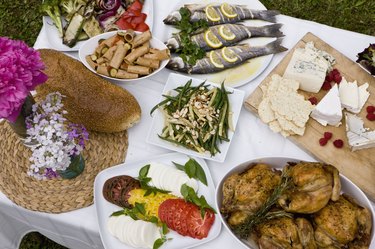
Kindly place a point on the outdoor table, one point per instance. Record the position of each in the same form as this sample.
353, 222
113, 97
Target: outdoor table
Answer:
252, 139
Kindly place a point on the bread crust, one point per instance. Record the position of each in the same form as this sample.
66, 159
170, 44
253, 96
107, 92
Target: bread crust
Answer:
89, 99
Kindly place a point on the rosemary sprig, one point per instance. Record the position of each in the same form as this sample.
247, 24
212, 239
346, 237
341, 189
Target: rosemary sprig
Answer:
243, 230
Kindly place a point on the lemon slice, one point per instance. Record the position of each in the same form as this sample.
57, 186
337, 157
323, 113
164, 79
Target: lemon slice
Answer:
226, 33
228, 10
212, 14
212, 40
229, 55
214, 58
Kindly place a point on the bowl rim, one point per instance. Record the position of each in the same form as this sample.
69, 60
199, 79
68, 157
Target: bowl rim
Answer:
241, 166
81, 55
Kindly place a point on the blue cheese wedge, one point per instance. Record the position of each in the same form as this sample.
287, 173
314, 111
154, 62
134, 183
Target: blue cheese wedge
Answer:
309, 66
358, 136
328, 111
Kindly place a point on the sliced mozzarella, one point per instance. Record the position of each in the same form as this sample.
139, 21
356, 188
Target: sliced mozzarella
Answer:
111, 225
149, 234
121, 226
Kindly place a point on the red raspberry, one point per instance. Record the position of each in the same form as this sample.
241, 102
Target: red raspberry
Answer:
327, 135
326, 86
338, 143
335, 71
370, 109
329, 77
337, 78
370, 116
323, 141
313, 100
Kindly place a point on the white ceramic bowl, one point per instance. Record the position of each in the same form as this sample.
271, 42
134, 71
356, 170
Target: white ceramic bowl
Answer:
90, 45
279, 162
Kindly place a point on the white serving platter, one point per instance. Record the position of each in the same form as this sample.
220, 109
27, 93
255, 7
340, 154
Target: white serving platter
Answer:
157, 125
104, 208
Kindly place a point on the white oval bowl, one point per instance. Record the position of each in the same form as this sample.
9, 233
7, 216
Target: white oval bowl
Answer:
90, 45
347, 187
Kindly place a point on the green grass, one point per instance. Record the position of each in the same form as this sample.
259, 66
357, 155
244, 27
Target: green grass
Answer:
23, 20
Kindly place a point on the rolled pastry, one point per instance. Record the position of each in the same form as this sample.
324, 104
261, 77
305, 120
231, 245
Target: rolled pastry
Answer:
148, 62
138, 52
141, 38
122, 74
119, 55
139, 70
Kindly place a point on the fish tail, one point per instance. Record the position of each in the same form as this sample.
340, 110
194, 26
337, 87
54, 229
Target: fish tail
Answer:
275, 47
266, 31
266, 15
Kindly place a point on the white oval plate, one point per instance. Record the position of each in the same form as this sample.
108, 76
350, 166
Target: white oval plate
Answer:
90, 45
347, 187
104, 208
157, 125
55, 41
245, 73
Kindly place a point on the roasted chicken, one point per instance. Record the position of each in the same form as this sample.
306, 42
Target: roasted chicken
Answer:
342, 224
285, 233
244, 193
313, 185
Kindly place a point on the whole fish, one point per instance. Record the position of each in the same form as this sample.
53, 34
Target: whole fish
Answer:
197, 12
241, 32
243, 52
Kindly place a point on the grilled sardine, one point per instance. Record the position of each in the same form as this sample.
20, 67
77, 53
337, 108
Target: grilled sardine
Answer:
198, 12
237, 33
242, 52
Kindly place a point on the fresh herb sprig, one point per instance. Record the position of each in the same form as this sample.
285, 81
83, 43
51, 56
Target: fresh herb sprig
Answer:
189, 195
189, 51
138, 212
243, 230
163, 232
144, 180
193, 169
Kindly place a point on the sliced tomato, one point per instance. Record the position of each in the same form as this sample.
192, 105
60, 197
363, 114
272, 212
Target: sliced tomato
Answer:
142, 27
136, 5
197, 227
139, 19
124, 24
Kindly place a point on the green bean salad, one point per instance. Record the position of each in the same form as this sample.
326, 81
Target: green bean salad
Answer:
198, 117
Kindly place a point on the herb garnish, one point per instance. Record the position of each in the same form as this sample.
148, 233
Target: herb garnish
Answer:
189, 195
243, 230
159, 242
193, 169
137, 213
189, 52
144, 180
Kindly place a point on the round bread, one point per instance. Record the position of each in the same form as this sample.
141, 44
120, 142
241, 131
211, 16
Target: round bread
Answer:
89, 99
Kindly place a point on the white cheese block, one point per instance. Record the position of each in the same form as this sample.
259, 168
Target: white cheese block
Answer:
309, 66
358, 136
349, 95
328, 110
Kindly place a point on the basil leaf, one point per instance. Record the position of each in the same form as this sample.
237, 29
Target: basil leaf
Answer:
140, 208
118, 213
158, 243
190, 169
165, 229
144, 171
199, 172
154, 219
179, 166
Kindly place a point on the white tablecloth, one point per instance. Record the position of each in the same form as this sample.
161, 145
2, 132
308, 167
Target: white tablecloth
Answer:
79, 229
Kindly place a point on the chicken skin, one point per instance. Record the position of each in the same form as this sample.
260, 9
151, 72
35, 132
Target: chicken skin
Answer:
313, 185
285, 233
245, 193
342, 224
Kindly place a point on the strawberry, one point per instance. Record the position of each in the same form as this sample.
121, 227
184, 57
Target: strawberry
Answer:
338, 143
326, 86
370, 109
327, 135
370, 116
323, 141
335, 71
337, 78
313, 100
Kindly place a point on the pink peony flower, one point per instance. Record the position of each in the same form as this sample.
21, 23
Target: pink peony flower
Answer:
20, 73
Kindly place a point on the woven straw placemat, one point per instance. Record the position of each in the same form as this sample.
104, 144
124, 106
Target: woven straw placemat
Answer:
56, 196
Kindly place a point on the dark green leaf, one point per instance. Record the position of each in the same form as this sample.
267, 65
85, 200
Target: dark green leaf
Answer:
140, 208
190, 169
154, 220
118, 213
144, 171
179, 166
158, 243
165, 229
199, 172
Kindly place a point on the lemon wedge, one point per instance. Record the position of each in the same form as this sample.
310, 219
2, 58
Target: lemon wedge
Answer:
212, 40
229, 55
214, 58
228, 10
212, 14
226, 33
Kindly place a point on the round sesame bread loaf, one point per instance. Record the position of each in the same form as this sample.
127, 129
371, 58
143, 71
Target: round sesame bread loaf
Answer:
89, 99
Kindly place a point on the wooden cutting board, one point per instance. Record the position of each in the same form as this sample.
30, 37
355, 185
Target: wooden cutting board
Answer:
358, 166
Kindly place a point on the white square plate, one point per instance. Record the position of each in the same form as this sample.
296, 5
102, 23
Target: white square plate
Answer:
104, 208
174, 81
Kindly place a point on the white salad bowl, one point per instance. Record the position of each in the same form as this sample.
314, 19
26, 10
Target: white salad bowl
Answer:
90, 45
347, 187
